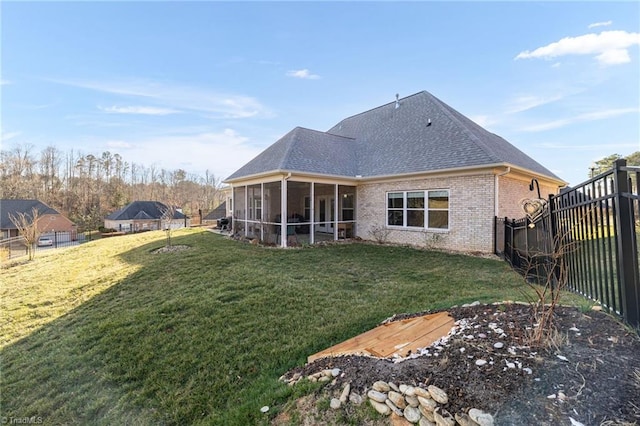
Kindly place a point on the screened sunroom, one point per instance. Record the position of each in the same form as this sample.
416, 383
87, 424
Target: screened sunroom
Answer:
289, 212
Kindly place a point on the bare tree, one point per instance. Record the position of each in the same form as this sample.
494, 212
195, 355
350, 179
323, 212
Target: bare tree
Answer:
168, 211
28, 227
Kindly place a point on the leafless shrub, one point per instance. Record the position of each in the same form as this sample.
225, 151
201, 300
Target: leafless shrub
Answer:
379, 233
433, 240
168, 211
550, 267
27, 225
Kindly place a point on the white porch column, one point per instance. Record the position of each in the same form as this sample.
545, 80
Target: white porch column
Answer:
335, 212
261, 219
312, 209
246, 210
283, 213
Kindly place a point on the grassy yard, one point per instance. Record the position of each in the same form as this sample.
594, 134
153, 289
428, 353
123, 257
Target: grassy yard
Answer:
111, 333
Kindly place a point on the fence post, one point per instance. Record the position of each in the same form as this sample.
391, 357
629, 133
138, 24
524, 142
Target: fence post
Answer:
555, 243
627, 258
504, 237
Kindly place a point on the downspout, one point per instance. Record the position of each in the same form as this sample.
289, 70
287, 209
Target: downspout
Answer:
497, 206
497, 189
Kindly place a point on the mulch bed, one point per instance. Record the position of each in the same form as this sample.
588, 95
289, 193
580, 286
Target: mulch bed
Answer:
590, 373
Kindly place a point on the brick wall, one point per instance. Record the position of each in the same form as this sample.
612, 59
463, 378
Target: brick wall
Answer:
471, 213
513, 190
55, 223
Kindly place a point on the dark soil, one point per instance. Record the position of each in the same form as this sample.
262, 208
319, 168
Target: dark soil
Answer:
589, 371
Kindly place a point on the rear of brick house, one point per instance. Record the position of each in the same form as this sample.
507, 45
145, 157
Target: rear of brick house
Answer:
414, 171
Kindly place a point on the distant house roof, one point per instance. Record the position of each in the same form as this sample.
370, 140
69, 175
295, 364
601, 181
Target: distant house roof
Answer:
143, 210
419, 133
10, 208
217, 213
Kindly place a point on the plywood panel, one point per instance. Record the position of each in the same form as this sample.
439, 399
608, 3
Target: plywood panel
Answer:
398, 337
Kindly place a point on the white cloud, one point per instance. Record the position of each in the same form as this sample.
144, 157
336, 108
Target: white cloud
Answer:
4, 82
222, 152
600, 24
144, 110
483, 120
609, 47
5, 136
178, 97
527, 102
303, 74
590, 116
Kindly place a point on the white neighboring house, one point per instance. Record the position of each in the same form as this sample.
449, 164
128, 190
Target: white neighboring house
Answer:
145, 216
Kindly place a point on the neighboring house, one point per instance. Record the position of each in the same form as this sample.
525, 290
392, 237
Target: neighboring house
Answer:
219, 212
144, 216
50, 220
414, 171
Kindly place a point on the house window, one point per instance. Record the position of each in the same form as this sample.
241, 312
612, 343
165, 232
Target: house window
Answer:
438, 210
418, 209
347, 207
307, 209
395, 209
257, 209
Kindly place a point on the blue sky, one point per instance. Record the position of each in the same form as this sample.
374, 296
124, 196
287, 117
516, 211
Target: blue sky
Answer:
208, 85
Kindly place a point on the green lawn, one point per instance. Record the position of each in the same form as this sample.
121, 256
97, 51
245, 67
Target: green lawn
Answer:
110, 333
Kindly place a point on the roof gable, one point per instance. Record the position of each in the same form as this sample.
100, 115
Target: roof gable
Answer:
217, 213
11, 207
419, 133
143, 210
305, 150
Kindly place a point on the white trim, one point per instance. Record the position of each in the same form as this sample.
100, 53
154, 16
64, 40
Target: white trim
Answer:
353, 181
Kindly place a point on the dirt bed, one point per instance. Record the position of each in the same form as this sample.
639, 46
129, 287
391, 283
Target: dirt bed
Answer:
589, 374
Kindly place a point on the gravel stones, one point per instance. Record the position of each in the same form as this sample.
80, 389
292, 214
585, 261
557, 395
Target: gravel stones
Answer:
397, 399
480, 417
377, 396
412, 414
380, 407
416, 405
438, 394
381, 386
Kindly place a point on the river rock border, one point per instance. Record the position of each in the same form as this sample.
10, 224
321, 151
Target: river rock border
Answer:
405, 404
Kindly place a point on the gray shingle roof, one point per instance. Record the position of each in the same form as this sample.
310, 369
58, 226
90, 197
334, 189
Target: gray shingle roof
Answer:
12, 207
139, 210
217, 213
391, 141
305, 150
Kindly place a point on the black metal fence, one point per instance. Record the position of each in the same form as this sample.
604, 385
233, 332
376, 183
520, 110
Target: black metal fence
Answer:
15, 247
589, 234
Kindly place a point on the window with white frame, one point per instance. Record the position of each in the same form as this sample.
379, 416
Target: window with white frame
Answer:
418, 209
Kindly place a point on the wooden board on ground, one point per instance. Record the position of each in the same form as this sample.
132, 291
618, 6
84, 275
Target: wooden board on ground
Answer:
399, 337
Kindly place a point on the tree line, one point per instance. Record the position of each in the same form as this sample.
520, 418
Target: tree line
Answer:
606, 163
87, 187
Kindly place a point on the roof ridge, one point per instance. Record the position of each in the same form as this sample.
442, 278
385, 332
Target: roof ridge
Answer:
289, 146
322, 132
446, 109
380, 106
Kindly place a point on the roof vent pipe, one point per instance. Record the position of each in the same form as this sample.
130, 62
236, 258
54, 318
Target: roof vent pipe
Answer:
397, 101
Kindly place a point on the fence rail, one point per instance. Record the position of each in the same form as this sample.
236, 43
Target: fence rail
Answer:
593, 230
12, 248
